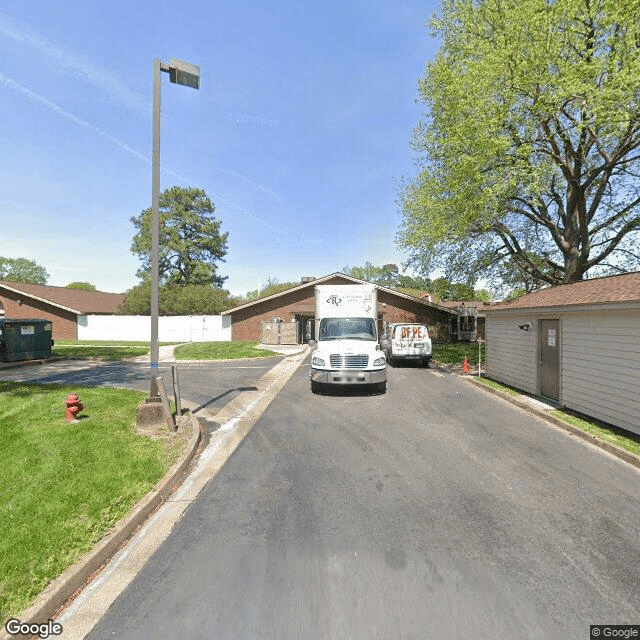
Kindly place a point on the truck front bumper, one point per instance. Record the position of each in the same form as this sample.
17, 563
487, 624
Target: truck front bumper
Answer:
348, 376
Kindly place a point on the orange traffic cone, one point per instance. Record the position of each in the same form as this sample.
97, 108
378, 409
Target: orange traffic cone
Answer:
465, 366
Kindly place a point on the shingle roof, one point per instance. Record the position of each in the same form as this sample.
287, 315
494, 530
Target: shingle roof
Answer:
480, 304
607, 290
75, 300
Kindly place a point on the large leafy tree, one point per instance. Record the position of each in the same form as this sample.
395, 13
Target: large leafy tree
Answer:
413, 282
385, 275
272, 286
529, 151
175, 300
22, 270
85, 286
445, 290
388, 276
190, 240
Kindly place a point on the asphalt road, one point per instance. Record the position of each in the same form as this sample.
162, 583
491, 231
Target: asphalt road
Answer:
434, 511
209, 385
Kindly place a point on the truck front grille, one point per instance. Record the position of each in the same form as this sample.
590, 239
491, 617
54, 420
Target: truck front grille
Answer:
338, 361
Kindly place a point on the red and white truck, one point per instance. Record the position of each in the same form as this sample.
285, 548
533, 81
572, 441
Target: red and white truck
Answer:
408, 341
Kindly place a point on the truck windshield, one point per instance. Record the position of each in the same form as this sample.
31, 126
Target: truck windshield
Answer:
347, 329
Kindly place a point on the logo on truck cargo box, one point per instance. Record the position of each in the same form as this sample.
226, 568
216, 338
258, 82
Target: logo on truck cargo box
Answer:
334, 300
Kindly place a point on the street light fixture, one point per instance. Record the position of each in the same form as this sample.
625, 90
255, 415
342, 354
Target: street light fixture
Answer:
187, 75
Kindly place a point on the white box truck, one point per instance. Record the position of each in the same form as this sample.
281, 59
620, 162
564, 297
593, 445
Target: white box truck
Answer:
408, 341
347, 348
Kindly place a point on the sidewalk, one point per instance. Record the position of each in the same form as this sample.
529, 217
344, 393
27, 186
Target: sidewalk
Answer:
286, 349
165, 354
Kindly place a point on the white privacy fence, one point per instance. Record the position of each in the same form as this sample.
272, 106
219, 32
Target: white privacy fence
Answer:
170, 328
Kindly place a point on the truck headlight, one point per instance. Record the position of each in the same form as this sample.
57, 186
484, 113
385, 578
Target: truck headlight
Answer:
317, 362
378, 362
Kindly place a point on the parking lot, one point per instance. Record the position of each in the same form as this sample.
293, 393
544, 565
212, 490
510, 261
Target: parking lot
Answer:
206, 386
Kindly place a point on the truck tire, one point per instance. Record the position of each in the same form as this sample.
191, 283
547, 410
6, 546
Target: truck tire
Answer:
425, 362
315, 387
381, 387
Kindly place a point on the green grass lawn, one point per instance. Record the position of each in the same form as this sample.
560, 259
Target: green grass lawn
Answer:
611, 435
103, 349
455, 352
104, 352
62, 486
500, 387
228, 350
608, 433
106, 343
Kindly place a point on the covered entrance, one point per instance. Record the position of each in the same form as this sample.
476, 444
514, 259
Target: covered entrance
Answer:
306, 327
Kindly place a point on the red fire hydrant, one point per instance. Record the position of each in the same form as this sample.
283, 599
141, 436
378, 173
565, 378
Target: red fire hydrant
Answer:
74, 407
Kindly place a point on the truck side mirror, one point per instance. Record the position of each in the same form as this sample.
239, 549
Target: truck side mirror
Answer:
312, 343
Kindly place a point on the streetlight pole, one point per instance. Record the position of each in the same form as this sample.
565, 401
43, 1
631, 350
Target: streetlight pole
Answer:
188, 75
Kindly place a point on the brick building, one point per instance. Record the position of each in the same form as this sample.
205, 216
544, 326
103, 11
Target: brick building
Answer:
59, 304
469, 323
297, 305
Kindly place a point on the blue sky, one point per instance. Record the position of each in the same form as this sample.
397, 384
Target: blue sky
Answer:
299, 132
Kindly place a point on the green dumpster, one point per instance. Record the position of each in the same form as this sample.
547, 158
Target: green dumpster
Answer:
25, 339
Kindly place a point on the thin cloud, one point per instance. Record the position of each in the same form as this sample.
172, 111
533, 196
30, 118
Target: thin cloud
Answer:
69, 61
99, 78
52, 106
257, 185
219, 198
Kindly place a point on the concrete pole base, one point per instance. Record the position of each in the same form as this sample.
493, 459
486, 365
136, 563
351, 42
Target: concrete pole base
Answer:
150, 415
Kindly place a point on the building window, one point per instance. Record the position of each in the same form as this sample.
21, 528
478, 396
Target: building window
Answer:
467, 323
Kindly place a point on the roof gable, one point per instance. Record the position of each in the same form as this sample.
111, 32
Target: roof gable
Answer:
347, 280
76, 301
303, 285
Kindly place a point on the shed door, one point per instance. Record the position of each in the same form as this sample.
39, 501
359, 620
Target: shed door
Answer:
550, 359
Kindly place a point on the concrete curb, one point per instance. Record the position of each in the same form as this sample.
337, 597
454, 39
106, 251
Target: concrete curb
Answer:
275, 355
67, 583
623, 454
145, 359
23, 363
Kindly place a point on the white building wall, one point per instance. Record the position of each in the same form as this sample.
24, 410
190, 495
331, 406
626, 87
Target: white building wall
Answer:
512, 352
601, 366
599, 360
170, 328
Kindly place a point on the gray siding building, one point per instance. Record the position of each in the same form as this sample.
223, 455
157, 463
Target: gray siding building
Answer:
577, 344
